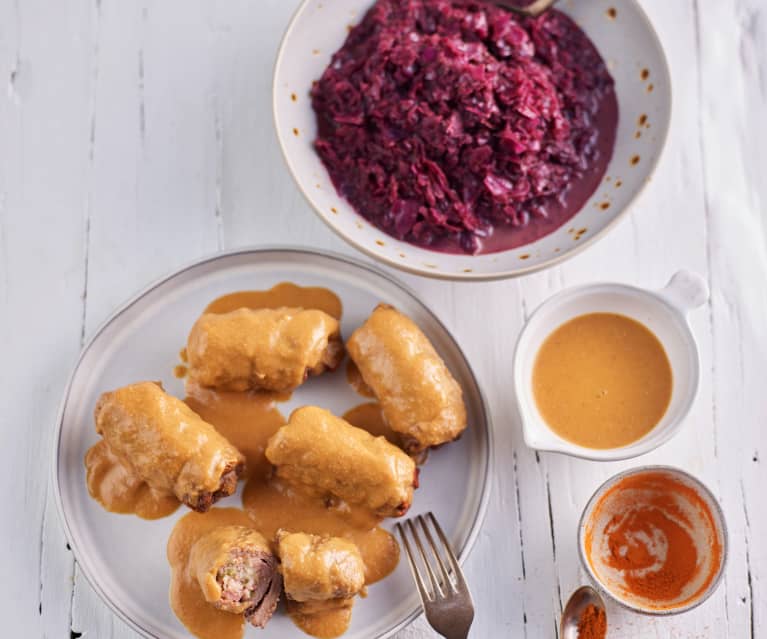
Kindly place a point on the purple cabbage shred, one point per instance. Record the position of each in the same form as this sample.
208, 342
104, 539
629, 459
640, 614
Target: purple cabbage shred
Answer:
446, 118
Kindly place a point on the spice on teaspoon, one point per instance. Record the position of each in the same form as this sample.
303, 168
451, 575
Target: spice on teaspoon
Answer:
592, 623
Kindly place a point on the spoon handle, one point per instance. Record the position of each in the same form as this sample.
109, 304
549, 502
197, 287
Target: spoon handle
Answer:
534, 8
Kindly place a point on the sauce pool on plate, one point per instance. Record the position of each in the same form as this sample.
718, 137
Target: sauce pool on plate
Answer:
602, 380
284, 294
248, 420
120, 490
186, 598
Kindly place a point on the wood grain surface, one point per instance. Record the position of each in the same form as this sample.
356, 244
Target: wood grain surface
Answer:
137, 136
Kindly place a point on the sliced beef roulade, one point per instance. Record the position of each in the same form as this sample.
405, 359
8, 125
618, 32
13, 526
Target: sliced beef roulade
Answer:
237, 572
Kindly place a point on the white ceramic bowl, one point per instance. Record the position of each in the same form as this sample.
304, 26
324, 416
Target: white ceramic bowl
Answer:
628, 43
614, 593
664, 312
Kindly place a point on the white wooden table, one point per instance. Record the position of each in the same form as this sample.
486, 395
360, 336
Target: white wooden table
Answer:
137, 136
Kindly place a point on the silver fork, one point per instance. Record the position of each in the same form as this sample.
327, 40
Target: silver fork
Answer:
447, 603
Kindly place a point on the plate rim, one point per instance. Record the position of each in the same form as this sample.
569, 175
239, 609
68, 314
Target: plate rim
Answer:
487, 483
463, 276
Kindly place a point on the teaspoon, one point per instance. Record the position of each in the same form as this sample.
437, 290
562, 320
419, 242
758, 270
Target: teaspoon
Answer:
579, 601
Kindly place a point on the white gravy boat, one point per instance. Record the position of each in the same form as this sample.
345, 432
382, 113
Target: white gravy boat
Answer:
664, 312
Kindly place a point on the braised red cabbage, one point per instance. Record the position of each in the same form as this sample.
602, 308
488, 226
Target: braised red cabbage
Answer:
448, 118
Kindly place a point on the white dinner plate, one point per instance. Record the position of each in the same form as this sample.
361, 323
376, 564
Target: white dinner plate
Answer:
123, 556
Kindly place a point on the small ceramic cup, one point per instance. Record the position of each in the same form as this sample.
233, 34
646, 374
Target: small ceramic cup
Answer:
719, 532
664, 312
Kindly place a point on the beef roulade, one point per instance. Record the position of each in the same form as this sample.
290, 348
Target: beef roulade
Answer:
264, 349
237, 572
419, 397
165, 443
323, 455
318, 568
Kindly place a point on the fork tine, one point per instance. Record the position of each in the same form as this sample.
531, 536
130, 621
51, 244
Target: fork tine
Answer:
437, 555
432, 577
461, 582
422, 592
449, 609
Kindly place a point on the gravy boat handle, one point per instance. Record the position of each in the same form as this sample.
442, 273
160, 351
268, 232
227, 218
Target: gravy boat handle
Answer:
685, 291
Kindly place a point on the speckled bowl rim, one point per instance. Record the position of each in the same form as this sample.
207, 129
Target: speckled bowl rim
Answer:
718, 516
576, 249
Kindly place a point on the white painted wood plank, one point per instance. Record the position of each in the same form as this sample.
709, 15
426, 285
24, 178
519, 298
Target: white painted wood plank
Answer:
659, 238
733, 47
41, 282
152, 184
165, 151
259, 201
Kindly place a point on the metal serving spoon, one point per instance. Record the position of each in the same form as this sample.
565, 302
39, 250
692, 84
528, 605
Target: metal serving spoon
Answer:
579, 600
533, 8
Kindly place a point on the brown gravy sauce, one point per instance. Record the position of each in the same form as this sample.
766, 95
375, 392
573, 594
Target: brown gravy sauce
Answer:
119, 490
354, 378
282, 295
186, 598
248, 420
322, 619
602, 380
369, 417
274, 505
